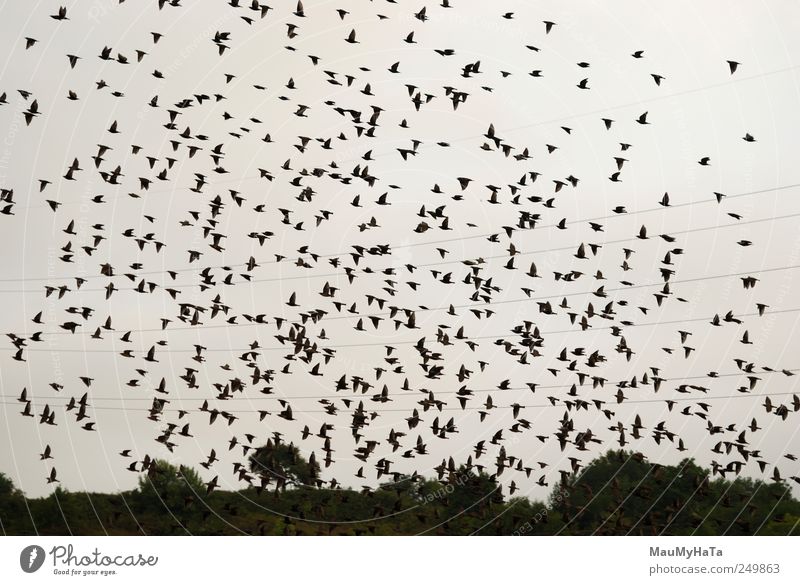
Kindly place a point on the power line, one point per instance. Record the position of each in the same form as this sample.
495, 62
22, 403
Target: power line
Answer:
399, 246
384, 343
471, 408
556, 296
418, 394
468, 306
500, 256
559, 119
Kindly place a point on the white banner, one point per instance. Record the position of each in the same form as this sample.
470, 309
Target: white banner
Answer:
619, 560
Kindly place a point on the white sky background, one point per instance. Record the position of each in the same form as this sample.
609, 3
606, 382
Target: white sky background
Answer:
699, 110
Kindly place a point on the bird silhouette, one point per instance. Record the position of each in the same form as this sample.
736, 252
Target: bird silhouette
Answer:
368, 253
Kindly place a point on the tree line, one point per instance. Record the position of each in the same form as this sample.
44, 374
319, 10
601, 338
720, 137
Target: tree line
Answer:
618, 493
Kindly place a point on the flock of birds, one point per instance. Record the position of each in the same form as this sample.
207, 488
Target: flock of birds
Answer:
389, 436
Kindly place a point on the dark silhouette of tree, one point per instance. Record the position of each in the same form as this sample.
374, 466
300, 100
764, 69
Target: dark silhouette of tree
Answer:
623, 493
282, 464
165, 485
6, 485
617, 493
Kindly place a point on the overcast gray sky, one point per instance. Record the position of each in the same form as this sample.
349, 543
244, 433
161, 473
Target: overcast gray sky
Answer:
699, 110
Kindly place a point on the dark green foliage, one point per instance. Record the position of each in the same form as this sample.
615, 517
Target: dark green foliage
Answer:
6, 485
622, 493
166, 487
617, 493
282, 465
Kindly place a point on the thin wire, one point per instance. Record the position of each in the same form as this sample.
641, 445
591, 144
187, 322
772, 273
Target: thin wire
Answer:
472, 408
400, 246
337, 317
404, 394
379, 343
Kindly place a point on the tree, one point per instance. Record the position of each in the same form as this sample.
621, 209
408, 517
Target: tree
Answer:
6, 485
170, 486
620, 492
284, 464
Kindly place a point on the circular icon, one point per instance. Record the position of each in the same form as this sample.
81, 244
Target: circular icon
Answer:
31, 558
